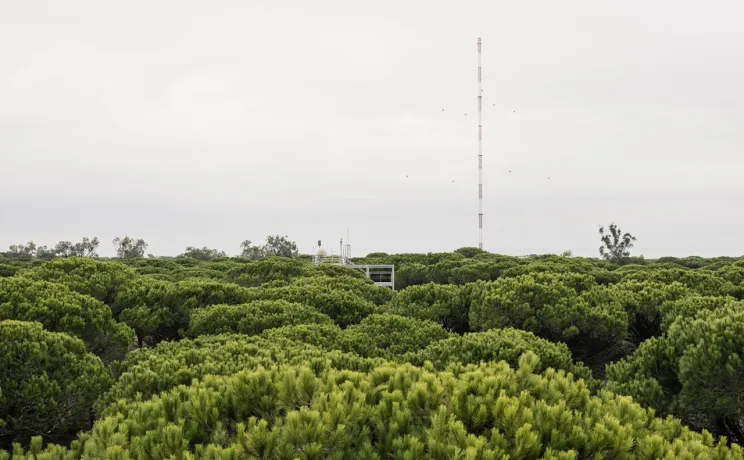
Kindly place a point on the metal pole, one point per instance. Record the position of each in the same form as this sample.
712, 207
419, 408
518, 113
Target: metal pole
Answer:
480, 153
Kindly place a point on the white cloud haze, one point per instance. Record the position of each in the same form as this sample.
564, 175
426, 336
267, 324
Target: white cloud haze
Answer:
191, 123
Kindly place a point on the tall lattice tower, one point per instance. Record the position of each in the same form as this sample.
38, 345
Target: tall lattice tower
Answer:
480, 152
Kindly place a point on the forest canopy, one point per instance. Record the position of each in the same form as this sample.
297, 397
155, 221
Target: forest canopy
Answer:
473, 355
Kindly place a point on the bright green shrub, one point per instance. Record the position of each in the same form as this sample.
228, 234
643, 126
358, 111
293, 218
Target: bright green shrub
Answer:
343, 307
163, 264
717, 263
324, 336
433, 258
47, 383
197, 272
644, 310
469, 251
221, 265
579, 282
363, 287
498, 264
440, 303
498, 345
573, 271
551, 266
430, 258
159, 277
689, 306
391, 335
157, 271
649, 375
545, 306
149, 371
252, 318
378, 335
180, 271
371, 338
711, 366
694, 371
702, 282
160, 310
620, 296
274, 284
332, 271
494, 345
254, 274
441, 272
478, 412
514, 302
688, 262
474, 270
96, 278
60, 310
733, 273
410, 274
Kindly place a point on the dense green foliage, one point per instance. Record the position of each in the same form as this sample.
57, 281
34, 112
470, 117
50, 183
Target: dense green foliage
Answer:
60, 310
264, 271
695, 370
546, 305
7, 270
325, 336
149, 371
498, 345
441, 303
362, 287
385, 334
252, 318
344, 307
476, 355
485, 412
98, 279
160, 310
48, 382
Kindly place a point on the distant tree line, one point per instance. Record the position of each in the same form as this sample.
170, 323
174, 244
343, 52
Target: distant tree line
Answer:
85, 248
615, 247
134, 248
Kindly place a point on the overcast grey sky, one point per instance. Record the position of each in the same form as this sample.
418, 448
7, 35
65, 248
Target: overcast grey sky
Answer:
205, 123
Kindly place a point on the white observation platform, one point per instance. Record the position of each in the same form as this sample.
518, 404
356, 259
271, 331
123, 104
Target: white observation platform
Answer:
381, 275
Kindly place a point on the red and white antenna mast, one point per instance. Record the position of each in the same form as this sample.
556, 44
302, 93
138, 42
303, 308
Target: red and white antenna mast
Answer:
480, 153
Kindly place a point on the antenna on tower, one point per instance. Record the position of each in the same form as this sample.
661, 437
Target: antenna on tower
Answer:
480, 153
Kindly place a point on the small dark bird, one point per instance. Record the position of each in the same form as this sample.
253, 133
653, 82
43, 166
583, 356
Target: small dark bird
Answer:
442, 110
510, 170
514, 111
